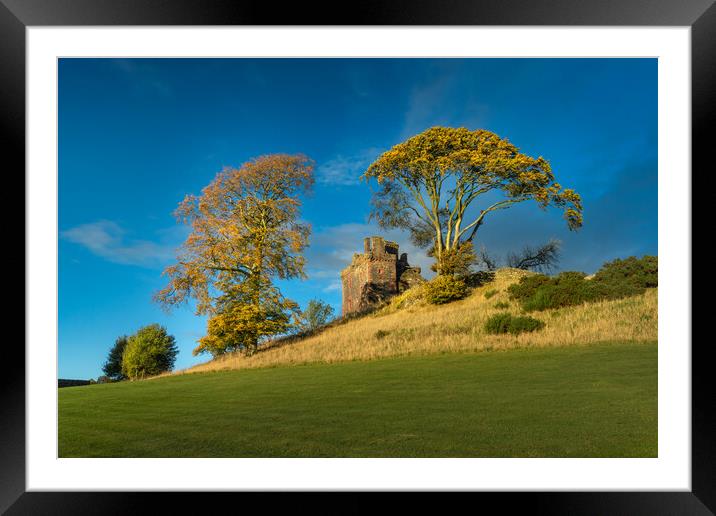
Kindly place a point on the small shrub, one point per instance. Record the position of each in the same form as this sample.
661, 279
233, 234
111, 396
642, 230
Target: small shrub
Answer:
490, 293
444, 289
502, 305
525, 324
381, 334
498, 323
456, 261
506, 323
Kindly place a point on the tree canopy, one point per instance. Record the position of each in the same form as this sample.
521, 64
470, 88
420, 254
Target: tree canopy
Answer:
316, 314
113, 366
428, 182
245, 232
149, 352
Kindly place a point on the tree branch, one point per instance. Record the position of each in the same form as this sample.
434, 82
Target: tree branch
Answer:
500, 205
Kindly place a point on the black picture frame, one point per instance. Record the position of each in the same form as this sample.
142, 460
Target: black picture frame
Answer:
17, 15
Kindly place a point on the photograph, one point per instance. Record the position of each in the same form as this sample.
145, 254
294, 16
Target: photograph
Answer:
393, 257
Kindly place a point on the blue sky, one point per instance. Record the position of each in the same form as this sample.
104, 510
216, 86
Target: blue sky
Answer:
137, 135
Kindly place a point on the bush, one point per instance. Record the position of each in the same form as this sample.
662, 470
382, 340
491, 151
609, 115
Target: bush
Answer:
615, 280
639, 272
149, 352
506, 323
498, 323
502, 305
381, 334
525, 324
444, 289
490, 293
456, 261
566, 289
527, 286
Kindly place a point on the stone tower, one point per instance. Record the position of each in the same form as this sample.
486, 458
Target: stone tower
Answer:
376, 275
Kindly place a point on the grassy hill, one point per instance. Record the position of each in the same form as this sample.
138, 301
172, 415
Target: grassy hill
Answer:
409, 326
584, 386
587, 401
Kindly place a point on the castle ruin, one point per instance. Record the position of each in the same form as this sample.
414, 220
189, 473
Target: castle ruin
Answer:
376, 275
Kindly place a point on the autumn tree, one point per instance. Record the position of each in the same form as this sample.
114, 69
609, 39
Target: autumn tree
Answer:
245, 233
430, 184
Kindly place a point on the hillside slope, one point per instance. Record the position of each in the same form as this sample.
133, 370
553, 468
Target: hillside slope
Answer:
408, 326
586, 401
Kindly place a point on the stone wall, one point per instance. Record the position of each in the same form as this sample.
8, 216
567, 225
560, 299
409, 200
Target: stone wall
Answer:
376, 275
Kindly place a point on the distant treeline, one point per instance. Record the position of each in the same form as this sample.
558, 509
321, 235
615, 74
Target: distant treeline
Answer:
71, 383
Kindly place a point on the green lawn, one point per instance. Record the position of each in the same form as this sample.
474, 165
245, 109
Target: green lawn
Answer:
598, 401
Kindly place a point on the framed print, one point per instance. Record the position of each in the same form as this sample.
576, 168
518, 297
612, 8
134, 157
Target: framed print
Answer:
416, 249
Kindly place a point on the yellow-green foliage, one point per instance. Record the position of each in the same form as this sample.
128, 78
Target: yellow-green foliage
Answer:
149, 352
413, 176
411, 326
444, 289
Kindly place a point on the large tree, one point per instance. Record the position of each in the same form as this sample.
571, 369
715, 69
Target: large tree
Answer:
149, 352
430, 182
245, 232
113, 366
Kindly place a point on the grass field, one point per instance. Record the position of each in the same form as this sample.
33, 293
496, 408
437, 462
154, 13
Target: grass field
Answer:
581, 401
409, 326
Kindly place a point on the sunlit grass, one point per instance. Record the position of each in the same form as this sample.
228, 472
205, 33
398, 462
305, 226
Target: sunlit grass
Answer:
411, 380
576, 401
408, 326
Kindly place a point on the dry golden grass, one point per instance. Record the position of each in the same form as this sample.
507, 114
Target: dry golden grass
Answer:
408, 326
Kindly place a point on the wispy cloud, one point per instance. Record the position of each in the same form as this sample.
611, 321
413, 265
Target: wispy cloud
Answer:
346, 170
110, 241
333, 286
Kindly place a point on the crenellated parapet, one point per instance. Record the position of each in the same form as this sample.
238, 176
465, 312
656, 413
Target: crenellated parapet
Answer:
376, 275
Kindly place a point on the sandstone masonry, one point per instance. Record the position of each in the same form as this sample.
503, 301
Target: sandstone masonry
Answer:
376, 275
